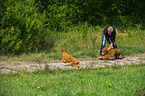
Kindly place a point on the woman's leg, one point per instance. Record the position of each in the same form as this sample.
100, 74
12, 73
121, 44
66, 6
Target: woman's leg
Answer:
103, 44
114, 45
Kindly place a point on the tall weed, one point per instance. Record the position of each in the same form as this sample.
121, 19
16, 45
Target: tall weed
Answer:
79, 39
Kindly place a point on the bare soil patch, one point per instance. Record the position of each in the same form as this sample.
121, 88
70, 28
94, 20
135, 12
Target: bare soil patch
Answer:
16, 66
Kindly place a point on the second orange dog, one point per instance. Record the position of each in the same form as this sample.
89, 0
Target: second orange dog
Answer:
69, 59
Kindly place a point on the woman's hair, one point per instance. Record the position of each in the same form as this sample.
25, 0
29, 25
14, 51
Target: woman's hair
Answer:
110, 29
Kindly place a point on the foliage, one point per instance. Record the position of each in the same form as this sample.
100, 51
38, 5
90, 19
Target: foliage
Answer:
62, 14
23, 27
133, 9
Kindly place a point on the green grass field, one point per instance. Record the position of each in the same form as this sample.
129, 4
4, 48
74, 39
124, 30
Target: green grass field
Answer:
109, 81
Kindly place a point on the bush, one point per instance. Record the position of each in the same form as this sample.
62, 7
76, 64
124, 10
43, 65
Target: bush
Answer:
61, 16
23, 27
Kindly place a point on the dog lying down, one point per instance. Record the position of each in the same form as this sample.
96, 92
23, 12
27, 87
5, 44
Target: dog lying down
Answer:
69, 59
109, 53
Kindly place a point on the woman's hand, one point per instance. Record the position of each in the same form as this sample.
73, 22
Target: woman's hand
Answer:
111, 46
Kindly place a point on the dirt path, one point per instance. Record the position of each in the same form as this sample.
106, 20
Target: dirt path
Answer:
15, 67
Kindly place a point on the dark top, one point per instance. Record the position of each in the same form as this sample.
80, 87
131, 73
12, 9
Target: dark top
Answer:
112, 36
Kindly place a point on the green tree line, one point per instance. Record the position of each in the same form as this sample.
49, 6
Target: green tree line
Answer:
23, 23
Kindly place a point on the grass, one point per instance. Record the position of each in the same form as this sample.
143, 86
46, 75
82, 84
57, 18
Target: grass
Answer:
110, 81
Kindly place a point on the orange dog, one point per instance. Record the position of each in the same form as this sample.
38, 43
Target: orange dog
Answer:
69, 59
109, 53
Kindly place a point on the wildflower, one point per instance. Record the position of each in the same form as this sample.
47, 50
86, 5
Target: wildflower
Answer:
56, 83
8, 8
47, 24
12, 29
38, 87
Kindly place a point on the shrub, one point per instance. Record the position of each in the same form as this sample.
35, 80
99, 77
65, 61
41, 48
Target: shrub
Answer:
23, 27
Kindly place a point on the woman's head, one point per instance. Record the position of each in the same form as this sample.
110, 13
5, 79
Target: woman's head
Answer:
110, 30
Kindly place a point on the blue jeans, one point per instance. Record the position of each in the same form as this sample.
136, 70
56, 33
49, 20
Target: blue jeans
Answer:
103, 44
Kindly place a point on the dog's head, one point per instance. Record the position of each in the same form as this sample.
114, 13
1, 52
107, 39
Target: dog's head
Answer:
63, 51
104, 51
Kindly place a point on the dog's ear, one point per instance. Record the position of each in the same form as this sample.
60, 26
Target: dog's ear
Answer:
104, 51
63, 50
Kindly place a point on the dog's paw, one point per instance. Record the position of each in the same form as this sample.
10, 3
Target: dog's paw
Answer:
78, 66
101, 58
112, 58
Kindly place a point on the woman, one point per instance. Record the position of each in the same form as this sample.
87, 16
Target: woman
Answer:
109, 33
